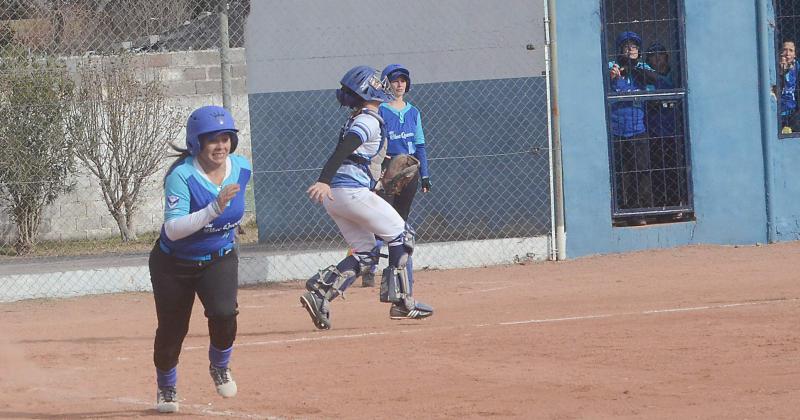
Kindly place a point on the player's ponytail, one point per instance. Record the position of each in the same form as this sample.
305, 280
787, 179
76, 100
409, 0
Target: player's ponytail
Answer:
180, 155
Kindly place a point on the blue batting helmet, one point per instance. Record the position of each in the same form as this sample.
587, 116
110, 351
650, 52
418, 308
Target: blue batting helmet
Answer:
363, 81
393, 71
209, 120
628, 36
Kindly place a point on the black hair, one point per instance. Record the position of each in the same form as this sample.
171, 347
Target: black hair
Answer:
180, 155
349, 98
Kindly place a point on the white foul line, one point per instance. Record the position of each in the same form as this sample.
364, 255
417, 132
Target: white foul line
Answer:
197, 408
530, 321
652, 311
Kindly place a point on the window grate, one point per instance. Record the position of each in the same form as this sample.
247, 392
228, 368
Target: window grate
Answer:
646, 111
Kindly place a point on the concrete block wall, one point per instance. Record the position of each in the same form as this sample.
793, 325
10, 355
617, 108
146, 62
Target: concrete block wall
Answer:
191, 79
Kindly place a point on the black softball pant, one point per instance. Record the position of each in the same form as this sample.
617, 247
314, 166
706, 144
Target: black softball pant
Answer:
175, 282
402, 201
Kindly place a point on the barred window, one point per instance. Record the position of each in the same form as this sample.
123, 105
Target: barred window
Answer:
645, 89
787, 29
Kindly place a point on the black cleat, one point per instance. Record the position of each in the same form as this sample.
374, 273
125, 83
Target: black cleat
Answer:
317, 308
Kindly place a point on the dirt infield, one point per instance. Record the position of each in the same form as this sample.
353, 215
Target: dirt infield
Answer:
697, 332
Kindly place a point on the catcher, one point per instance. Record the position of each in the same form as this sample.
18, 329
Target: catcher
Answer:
345, 187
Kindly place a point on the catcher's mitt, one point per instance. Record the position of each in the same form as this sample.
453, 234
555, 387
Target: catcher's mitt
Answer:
399, 172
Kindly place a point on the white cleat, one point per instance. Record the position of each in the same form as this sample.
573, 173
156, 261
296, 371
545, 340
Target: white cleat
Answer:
223, 380
167, 399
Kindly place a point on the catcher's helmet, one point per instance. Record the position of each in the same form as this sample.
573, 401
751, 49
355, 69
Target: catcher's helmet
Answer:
209, 120
628, 36
364, 82
393, 71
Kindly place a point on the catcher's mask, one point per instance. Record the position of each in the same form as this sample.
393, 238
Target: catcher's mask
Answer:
207, 121
363, 82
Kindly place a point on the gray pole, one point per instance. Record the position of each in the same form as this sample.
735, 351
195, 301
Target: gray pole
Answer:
765, 96
224, 54
558, 182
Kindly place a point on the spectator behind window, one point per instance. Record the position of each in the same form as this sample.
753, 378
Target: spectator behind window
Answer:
788, 70
629, 74
667, 143
631, 145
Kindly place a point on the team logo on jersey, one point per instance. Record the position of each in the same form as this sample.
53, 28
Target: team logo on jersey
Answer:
399, 136
172, 201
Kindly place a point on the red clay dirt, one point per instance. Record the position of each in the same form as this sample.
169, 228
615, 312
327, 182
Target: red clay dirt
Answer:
696, 332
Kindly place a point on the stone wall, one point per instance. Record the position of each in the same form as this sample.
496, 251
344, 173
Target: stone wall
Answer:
192, 79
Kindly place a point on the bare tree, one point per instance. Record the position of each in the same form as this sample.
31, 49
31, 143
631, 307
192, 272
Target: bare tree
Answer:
121, 125
36, 159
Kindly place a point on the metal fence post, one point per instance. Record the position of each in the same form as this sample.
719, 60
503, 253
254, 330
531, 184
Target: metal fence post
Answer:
224, 54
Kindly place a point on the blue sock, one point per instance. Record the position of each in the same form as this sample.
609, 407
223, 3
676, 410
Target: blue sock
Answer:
167, 377
219, 358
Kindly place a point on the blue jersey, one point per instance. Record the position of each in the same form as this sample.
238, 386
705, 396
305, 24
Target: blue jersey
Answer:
404, 130
362, 168
188, 190
788, 99
627, 117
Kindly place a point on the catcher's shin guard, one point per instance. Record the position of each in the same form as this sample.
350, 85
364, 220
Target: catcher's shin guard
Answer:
368, 264
330, 282
395, 288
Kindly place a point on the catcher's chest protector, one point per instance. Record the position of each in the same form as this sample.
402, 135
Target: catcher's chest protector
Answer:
375, 164
376, 161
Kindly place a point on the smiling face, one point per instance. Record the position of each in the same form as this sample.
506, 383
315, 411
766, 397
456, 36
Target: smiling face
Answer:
630, 49
215, 150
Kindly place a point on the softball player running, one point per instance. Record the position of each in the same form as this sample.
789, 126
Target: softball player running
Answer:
344, 187
195, 253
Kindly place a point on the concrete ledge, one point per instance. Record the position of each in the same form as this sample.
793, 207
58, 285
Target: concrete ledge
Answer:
90, 276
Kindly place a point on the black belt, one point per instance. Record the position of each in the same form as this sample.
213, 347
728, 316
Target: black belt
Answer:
197, 258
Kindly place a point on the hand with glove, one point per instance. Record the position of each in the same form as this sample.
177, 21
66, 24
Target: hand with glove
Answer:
426, 184
399, 172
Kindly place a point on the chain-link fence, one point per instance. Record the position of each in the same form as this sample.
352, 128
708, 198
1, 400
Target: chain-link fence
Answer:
96, 89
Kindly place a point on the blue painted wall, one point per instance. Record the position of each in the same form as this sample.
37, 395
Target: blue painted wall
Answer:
785, 161
724, 132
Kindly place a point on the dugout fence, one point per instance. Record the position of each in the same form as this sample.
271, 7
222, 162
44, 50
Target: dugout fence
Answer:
79, 216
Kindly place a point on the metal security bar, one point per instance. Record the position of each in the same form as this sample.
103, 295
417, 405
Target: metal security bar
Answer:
72, 225
646, 112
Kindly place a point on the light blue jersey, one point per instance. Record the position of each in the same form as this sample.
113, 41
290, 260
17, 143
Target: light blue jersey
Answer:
362, 168
188, 190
